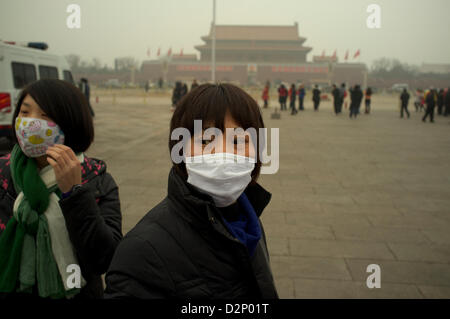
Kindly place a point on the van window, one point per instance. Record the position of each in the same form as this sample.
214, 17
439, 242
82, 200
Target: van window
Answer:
48, 72
68, 76
23, 74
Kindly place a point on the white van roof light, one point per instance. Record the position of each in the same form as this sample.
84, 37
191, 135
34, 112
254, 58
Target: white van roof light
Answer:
34, 45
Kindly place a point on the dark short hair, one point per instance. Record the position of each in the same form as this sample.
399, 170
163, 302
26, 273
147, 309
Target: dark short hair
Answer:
66, 106
210, 103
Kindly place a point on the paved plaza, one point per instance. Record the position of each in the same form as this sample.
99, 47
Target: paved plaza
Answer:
348, 193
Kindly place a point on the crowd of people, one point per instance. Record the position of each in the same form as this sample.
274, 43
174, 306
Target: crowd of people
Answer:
427, 100
180, 90
424, 100
339, 98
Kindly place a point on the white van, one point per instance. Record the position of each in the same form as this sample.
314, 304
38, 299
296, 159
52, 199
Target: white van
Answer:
21, 64
399, 87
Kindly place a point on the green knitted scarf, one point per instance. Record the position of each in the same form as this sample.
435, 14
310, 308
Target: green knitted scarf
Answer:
27, 264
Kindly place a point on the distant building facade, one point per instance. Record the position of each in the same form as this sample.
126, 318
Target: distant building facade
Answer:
435, 68
250, 55
255, 44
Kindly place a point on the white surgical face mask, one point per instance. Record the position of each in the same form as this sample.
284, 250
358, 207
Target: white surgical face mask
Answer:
35, 136
223, 176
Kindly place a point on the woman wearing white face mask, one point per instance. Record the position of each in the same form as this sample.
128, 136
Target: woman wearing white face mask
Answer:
205, 239
59, 210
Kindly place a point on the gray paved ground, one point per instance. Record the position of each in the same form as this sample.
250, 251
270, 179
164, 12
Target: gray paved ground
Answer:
348, 193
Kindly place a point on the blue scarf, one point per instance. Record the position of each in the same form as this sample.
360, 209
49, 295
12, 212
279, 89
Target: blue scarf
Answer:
246, 228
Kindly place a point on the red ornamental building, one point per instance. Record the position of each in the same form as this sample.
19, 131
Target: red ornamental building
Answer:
250, 55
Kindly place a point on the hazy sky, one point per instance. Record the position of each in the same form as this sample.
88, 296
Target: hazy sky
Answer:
414, 31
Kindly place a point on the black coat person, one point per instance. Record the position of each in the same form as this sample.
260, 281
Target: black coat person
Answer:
184, 89
440, 101
404, 99
85, 197
430, 100
180, 249
368, 99
185, 247
95, 234
356, 96
292, 98
194, 84
282, 97
177, 93
342, 93
316, 97
336, 99
301, 97
447, 102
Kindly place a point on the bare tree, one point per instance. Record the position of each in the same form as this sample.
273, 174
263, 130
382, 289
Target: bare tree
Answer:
74, 61
96, 64
126, 63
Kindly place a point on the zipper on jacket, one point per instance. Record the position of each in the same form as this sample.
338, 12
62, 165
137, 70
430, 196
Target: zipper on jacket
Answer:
243, 252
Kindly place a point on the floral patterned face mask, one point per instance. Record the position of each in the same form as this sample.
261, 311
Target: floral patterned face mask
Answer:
35, 136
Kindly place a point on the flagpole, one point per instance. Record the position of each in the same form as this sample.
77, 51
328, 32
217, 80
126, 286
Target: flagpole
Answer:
213, 51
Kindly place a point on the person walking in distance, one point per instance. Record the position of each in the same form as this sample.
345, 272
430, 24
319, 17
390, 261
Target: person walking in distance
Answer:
440, 101
184, 89
404, 98
430, 100
265, 95
447, 102
292, 98
355, 100
343, 94
336, 98
177, 93
418, 100
368, 99
301, 97
316, 97
282, 97
194, 84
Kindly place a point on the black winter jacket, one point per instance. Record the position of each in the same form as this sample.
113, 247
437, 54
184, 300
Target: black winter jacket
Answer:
316, 95
447, 98
92, 215
404, 98
181, 249
356, 96
430, 99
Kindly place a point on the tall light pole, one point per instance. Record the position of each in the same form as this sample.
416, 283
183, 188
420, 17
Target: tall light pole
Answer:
213, 49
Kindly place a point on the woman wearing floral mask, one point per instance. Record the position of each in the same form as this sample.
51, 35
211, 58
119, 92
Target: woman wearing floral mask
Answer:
60, 219
205, 239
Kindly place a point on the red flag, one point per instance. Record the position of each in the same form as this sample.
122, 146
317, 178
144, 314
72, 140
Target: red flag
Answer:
334, 55
346, 55
181, 52
323, 53
159, 52
169, 53
357, 54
